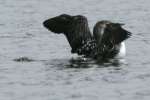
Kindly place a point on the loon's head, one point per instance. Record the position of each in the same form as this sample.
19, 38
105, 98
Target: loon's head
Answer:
109, 36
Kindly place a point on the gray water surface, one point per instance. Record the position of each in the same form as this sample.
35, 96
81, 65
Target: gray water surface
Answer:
53, 73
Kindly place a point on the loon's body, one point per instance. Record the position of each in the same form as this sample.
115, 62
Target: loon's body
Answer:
89, 49
107, 40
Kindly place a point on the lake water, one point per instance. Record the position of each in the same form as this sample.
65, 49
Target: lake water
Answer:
53, 72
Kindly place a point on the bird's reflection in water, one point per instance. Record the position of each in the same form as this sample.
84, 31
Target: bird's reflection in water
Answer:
81, 62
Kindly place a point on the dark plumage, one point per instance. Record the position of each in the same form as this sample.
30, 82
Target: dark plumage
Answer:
112, 31
75, 28
109, 37
104, 43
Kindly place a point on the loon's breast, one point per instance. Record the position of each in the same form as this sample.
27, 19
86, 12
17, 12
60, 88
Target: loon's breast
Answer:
122, 50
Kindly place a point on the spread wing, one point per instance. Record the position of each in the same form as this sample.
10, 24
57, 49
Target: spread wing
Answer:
75, 28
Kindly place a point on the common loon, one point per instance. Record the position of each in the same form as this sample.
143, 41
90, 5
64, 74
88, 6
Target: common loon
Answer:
107, 40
